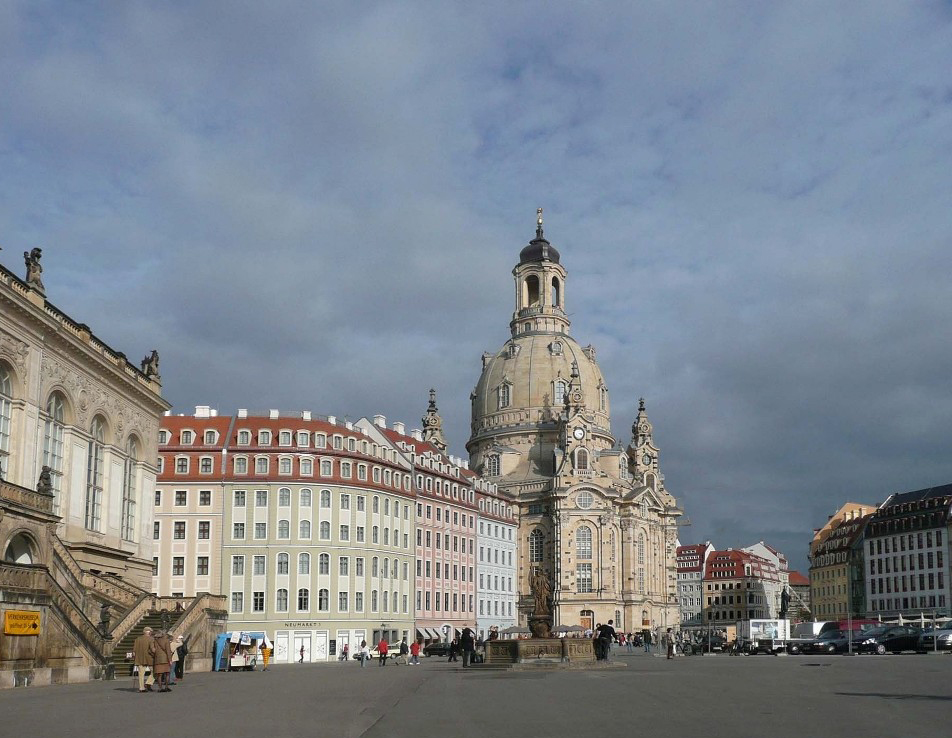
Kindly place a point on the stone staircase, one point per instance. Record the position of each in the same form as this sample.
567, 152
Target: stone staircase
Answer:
123, 668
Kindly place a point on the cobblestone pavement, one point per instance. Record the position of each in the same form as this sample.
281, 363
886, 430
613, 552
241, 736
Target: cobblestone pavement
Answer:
709, 696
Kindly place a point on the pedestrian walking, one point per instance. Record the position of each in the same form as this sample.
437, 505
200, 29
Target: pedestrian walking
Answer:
404, 655
363, 654
647, 641
382, 649
142, 654
173, 662
345, 652
468, 644
670, 643
415, 653
454, 650
301, 655
606, 634
161, 660
630, 642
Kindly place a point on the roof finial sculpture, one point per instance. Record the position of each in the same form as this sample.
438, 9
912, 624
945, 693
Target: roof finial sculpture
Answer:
538, 222
34, 270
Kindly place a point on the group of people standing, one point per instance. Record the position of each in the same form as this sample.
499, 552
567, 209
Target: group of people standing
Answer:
159, 660
465, 644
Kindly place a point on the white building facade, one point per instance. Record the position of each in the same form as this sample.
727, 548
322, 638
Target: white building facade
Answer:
496, 565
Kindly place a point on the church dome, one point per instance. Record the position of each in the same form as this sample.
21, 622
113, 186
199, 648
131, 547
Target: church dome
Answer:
539, 249
524, 384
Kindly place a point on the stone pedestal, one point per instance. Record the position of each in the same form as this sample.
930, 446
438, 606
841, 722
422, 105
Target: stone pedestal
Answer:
540, 651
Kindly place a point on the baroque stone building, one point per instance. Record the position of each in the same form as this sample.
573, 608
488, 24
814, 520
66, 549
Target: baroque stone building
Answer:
593, 516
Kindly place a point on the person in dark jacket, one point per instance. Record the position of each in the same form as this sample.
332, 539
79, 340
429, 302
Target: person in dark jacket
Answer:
454, 650
468, 642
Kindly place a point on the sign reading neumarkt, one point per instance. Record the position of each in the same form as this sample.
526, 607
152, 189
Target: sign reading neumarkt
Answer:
21, 623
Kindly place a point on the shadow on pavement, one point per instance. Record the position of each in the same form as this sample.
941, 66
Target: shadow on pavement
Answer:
884, 695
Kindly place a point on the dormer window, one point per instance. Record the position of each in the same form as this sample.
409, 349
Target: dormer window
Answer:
210, 437
187, 437
559, 394
505, 395
163, 436
555, 348
264, 438
244, 438
320, 440
284, 438
303, 438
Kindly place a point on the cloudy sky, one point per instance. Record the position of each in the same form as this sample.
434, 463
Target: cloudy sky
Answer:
318, 205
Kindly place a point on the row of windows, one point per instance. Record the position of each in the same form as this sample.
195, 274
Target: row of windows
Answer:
178, 566
907, 582
239, 499
487, 607
282, 563
285, 438
492, 556
459, 543
442, 601
423, 568
181, 498
495, 530
906, 603
927, 560
441, 487
583, 545
899, 543
179, 528
382, 602
324, 532
443, 514
500, 584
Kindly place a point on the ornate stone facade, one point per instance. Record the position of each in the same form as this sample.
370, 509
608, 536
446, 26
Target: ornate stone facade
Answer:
595, 517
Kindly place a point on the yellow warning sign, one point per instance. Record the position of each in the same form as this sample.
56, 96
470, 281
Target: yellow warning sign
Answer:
21, 623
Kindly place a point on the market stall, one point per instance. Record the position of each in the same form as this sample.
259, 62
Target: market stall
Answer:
239, 650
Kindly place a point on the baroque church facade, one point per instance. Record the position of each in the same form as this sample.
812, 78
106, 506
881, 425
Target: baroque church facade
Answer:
594, 517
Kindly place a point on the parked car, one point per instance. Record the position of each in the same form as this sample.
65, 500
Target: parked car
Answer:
716, 642
889, 638
802, 634
931, 640
393, 651
833, 641
439, 648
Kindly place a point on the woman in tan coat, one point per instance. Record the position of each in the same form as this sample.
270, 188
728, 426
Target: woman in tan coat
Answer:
161, 659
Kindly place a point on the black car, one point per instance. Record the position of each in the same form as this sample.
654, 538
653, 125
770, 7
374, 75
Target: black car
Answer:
927, 641
834, 641
440, 648
715, 642
889, 638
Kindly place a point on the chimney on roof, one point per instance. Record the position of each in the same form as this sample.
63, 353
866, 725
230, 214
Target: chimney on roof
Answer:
400, 428
202, 411
380, 421
348, 425
274, 414
167, 413
305, 415
332, 419
416, 434
464, 463
242, 412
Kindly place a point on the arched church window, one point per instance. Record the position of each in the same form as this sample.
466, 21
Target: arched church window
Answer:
129, 490
19, 550
641, 548
583, 542
505, 395
531, 294
560, 390
602, 398
556, 297
6, 413
623, 466
536, 539
492, 465
94, 472
581, 459
53, 443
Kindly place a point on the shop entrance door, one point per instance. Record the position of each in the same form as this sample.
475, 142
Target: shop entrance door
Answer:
281, 647
301, 641
343, 639
320, 646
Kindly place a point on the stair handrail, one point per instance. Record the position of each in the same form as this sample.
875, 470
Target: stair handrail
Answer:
131, 618
193, 613
70, 568
93, 640
110, 588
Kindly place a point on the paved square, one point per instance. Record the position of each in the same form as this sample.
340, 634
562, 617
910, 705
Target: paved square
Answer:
710, 696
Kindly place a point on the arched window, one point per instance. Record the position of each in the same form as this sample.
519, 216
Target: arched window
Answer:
373, 601
505, 395
53, 443
6, 415
304, 599
556, 293
323, 600
325, 531
386, 567
281, 601
282, 563
581, 459
492, 465
129, 490
374, 566
602, 398
304, 529
531, 291
324, 564
325, 498
20, 550
583, 542
641, 548
536, 539
94, 469
305, 498
560, 389
284, 529
284, 497
623, 466
304, 563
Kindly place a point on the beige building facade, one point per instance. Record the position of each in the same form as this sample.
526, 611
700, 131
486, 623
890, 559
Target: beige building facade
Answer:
594, 517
